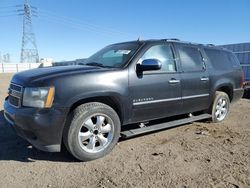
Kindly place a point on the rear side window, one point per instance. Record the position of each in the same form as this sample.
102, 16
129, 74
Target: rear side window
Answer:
191, 59
220, 60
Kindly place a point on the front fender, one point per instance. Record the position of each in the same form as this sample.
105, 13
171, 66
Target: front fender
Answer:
85, 96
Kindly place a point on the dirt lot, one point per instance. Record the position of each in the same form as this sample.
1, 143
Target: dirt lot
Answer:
179, 157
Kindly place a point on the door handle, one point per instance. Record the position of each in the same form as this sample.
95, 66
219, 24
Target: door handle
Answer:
174, 81
204, 79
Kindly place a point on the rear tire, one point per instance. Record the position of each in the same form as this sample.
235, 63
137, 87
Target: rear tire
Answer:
93, 131
220, 107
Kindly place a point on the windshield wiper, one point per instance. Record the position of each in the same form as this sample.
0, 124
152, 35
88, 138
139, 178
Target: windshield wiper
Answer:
97, 64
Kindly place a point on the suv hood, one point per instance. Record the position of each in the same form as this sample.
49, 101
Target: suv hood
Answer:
40, 74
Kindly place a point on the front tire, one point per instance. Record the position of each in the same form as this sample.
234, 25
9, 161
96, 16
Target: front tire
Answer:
220, 107
93, 131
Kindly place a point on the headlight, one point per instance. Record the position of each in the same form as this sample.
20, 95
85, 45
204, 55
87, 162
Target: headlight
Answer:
41, 97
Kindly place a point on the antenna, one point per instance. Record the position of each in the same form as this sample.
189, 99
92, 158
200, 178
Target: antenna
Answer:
29, 53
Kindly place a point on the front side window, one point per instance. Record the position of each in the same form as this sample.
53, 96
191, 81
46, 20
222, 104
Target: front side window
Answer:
191, 59
164, 54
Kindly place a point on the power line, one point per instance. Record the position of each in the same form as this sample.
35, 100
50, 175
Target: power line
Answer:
13, 6
29, 52
84, 24
77, 26
7, 15
9, 11
66, 21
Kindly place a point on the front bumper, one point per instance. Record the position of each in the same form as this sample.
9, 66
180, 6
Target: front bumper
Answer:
43, 128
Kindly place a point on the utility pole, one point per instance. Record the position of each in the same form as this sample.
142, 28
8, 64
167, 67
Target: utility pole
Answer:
29, 53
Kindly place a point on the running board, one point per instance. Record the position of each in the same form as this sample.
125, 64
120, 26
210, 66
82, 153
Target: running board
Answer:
157, 127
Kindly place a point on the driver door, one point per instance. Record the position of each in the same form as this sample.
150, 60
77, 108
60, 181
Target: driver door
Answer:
155, 94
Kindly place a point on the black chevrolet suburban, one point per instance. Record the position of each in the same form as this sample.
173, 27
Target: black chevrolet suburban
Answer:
85, 107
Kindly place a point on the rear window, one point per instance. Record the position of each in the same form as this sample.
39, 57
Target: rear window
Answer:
221, 60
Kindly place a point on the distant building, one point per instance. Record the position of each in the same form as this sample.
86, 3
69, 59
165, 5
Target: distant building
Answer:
46, 62
242, 51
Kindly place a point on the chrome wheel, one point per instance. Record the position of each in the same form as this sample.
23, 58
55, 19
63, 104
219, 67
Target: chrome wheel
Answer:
221, 109
96, 133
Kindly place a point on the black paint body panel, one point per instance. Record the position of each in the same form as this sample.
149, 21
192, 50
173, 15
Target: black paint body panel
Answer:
140, 97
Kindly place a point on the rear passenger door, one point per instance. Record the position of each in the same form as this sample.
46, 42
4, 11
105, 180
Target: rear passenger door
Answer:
194, 78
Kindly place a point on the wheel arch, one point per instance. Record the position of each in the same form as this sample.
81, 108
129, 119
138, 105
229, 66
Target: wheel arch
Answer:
226, 88
111, 101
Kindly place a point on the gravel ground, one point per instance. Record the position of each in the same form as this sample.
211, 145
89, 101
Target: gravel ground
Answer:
200, 154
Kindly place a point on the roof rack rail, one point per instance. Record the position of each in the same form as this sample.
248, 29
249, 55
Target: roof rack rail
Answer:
173, 39
210, 45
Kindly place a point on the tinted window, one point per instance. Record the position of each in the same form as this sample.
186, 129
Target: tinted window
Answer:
220, 59
191, 59
163, 53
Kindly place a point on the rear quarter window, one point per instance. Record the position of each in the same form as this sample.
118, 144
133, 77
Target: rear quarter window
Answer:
220, 60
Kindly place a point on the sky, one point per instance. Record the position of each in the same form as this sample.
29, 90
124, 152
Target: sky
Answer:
68, 30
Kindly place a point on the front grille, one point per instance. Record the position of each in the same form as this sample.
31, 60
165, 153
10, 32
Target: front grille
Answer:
16, 87
14, 101
15, 95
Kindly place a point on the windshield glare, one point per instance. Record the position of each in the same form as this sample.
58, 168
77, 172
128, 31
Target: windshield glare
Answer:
116, 55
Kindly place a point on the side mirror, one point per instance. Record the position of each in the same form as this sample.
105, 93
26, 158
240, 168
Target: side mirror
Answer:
149, 65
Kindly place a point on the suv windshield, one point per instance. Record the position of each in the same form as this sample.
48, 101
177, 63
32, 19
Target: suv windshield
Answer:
116, 55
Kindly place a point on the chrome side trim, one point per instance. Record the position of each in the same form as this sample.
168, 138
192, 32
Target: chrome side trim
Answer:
195, 96
170, 99
156, 101
239, 89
